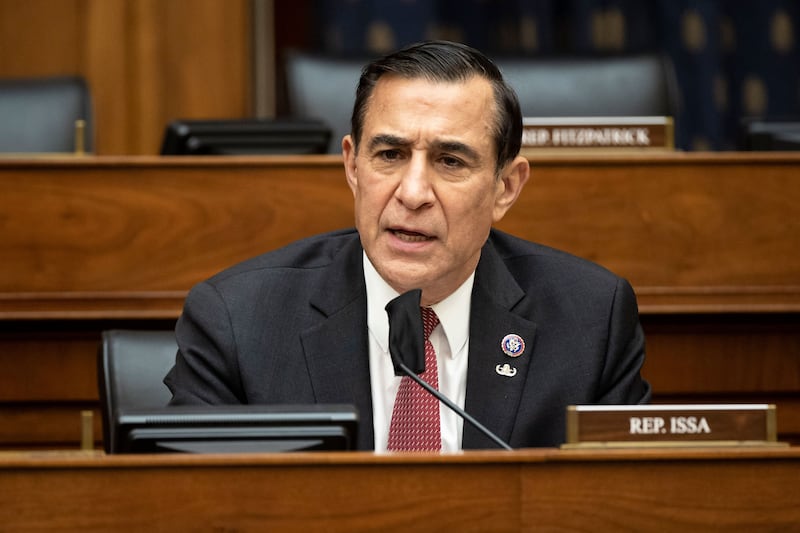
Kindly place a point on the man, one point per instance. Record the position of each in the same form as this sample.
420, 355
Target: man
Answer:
523, 330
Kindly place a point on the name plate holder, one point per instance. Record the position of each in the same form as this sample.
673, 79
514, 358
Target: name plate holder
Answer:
611, 134
631, 426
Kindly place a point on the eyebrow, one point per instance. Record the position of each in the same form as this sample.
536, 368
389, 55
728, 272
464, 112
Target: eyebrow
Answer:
387, 140
457, 147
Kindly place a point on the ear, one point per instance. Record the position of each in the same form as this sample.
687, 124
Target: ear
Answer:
512, 179
349, 153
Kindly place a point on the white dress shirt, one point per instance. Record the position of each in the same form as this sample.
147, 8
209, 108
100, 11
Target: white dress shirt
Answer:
450, 339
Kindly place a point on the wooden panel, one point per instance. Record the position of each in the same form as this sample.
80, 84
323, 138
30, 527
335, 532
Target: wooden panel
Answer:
657, 495
693, 233
717, 229
136, 230
46, 361
189, 59
49, 377
729, 358
542, 490
48, 367
151, 62
735, 353
53, 426
40, 37
48, 370
90, 244
54, 361
147, 62
108, 70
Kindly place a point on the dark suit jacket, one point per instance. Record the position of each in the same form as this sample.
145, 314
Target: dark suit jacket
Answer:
290, 327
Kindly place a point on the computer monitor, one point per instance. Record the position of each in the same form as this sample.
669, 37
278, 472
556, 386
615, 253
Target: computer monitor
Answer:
770, 134
234, 429
246, 137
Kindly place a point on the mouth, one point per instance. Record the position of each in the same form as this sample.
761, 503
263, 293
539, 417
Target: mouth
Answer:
410, 235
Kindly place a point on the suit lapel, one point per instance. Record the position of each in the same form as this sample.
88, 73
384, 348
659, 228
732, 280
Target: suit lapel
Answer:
336, 345
492, 397
337, 350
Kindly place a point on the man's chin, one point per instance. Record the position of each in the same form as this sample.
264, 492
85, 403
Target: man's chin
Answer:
404, 275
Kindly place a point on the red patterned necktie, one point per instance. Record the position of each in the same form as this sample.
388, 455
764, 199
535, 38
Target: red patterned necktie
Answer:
415, 417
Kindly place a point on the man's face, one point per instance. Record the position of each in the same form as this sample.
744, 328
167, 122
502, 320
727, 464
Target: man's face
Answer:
424, 181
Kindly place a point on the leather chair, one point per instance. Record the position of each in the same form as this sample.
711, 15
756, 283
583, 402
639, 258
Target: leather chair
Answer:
131, 369
614, 86
39, 114
324, 87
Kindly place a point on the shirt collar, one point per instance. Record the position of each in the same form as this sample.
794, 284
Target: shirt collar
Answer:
453, 311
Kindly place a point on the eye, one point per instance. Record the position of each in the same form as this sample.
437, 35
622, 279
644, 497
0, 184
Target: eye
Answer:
389, 155
451, 162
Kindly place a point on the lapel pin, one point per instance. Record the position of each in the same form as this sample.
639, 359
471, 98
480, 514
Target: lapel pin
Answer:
506, 370
512, 345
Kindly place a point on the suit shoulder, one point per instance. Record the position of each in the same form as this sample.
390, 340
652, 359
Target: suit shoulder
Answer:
521, 255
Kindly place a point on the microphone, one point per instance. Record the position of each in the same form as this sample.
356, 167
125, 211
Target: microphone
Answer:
407, 349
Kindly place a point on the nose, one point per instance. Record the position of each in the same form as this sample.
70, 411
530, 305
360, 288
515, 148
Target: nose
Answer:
415, 188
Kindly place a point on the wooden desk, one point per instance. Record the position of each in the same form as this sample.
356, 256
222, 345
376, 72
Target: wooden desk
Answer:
709, 242
530, 490
126, 237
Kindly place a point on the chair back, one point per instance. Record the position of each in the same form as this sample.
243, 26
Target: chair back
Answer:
614, 86
39, 114
323, 87
131, 369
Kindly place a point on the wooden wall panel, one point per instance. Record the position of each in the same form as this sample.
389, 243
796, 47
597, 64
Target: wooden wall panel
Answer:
88, 244
41, 37
693, 233
146, 61
668, 221
686, 354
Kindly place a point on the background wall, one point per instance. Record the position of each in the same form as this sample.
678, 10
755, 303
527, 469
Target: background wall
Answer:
151, 61
147, 61
733, 58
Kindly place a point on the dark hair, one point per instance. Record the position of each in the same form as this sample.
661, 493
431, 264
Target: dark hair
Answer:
451, 62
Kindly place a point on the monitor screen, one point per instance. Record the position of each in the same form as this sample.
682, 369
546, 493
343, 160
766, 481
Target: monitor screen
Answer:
769, 134
246, 137
234, 428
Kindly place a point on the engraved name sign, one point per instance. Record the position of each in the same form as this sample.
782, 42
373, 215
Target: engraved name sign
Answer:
673, 424
608, 133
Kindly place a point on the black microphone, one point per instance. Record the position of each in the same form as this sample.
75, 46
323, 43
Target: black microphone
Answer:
407, 348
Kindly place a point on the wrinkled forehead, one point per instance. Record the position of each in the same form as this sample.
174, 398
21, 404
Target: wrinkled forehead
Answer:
465, 104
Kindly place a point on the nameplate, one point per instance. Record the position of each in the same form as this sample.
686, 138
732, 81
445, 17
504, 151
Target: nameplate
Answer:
606, 425
606, 133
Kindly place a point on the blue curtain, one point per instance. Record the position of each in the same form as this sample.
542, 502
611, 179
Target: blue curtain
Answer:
732, 58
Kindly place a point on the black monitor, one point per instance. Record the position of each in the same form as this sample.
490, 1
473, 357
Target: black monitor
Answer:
770, 134
246, 137
234, 429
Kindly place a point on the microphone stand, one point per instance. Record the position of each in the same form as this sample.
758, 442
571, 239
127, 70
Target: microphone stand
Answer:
406, 340
445, 400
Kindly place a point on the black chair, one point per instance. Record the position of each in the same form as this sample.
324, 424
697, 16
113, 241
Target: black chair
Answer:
323, 87
613, 86
39, 114
131, 369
